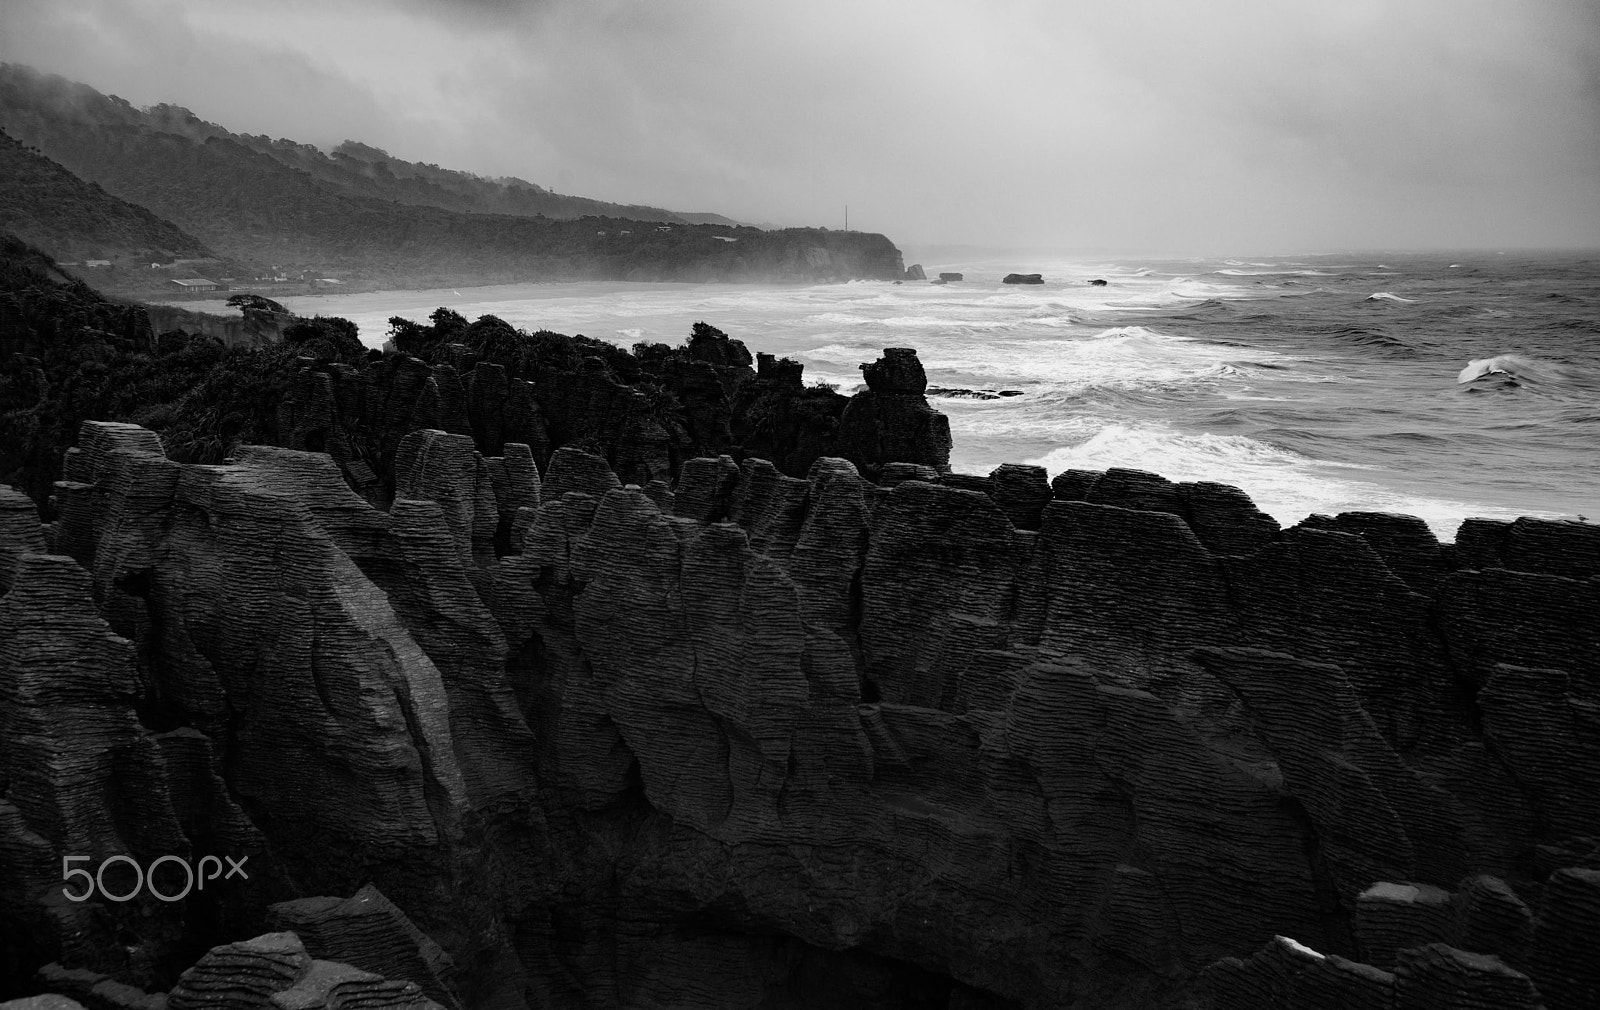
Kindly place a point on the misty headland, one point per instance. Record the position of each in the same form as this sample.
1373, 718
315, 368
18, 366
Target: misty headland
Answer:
253, 213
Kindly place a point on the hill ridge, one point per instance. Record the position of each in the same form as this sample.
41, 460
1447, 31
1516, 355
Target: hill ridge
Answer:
290, 210
46, 205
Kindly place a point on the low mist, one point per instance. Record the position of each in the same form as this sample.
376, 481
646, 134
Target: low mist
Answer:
1149, 127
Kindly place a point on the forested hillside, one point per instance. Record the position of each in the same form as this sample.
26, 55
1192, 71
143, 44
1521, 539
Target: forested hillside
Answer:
46, 205
73, 119
289, 208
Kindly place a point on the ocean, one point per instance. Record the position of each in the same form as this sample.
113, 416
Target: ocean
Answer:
1443, 387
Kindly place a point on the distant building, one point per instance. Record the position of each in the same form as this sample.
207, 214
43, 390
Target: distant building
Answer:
196, 284
724, 238
96, 263
328, 280
663, 227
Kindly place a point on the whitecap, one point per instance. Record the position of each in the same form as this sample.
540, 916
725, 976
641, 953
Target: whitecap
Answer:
1127, 358
1284, 484
1517, 366
841, 319
1388, 296
941, 322
844, 354
1275, 273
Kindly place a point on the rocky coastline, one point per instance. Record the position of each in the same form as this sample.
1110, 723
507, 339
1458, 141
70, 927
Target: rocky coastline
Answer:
597, 733
509, 690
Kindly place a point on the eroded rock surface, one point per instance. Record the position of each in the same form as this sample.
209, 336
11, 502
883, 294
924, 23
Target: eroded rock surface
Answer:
763, 738
890, 421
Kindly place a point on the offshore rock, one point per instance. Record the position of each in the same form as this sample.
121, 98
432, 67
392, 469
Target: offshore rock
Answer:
914, 272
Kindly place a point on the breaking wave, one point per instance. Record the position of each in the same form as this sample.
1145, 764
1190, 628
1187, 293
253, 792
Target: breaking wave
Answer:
1284, 484
1517, 367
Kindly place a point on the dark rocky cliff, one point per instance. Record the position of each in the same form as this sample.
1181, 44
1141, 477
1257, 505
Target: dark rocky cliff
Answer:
741, 739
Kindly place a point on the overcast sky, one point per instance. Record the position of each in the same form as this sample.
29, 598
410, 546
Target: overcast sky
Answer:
1115, 125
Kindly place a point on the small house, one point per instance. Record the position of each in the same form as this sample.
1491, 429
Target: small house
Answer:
195, 284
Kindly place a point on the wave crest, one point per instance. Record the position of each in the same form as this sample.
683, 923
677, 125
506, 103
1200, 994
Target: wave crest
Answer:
1511, 366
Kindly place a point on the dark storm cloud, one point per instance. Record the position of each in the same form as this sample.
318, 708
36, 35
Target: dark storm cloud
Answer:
1227, 125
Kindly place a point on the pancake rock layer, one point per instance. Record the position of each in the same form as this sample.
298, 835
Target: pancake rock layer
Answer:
762, 738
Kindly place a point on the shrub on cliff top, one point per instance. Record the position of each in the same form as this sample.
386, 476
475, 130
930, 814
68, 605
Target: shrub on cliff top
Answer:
235, 403
327, 338
494, 339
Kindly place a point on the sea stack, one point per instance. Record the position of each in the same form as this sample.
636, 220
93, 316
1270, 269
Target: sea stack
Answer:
890, 421
1023, 279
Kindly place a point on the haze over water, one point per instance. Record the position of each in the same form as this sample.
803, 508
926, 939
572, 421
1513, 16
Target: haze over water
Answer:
1316, 384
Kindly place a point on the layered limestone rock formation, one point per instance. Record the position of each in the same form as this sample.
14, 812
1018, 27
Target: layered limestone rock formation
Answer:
890, 421
1424, 947
274, 971
646, 413
757, 739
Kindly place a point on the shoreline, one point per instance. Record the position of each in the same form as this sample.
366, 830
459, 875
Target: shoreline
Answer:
825, 325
